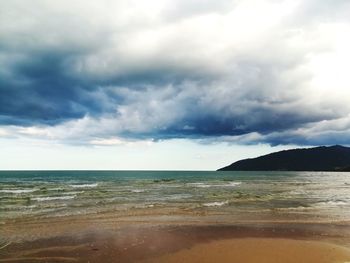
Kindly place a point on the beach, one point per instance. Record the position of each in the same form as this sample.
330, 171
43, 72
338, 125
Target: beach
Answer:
262, 250
84, 240
174, 217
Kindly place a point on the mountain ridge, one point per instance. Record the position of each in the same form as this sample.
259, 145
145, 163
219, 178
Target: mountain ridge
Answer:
321, 158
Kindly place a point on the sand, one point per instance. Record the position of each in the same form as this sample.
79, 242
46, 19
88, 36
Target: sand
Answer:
61, 241
258, 250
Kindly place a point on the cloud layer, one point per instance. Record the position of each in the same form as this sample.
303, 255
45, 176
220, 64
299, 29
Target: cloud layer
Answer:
241, 71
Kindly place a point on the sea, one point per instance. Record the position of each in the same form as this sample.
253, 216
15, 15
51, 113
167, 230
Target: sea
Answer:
47, 194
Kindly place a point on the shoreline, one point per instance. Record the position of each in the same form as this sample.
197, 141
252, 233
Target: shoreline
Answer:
29, 229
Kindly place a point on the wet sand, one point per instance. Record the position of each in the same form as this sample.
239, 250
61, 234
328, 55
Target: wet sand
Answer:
83, 240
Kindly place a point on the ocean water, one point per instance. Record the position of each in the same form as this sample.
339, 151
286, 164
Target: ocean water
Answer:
28, 194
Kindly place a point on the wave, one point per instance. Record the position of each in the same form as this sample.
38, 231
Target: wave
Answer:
216, 203
56, 189
232, 184
84, 185
331, 203
175, 197
297, 208
204, 185
52, 198
200, 185
17, 191
137, 191
72, 193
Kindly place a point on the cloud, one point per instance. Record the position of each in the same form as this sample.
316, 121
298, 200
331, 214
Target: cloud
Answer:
243, 71
119, 142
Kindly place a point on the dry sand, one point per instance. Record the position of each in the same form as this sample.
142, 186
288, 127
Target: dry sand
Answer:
258, 250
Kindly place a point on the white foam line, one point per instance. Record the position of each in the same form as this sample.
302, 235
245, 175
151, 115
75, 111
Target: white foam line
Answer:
84, 185
17, 191
216, 204
40, 199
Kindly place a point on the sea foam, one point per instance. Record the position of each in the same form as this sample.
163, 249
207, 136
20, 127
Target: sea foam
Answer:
84, 185
137, 191
52, 198
206, 185
216, 203
17, 191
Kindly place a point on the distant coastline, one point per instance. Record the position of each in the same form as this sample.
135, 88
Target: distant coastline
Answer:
323, 158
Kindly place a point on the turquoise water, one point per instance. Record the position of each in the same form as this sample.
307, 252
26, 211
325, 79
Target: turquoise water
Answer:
60, 193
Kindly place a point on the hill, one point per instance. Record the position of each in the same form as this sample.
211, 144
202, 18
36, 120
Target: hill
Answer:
323, 158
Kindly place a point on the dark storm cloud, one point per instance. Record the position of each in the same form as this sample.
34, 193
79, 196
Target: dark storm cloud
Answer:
40, 91
167, 71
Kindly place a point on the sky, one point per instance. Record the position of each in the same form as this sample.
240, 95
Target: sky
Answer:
170, 84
